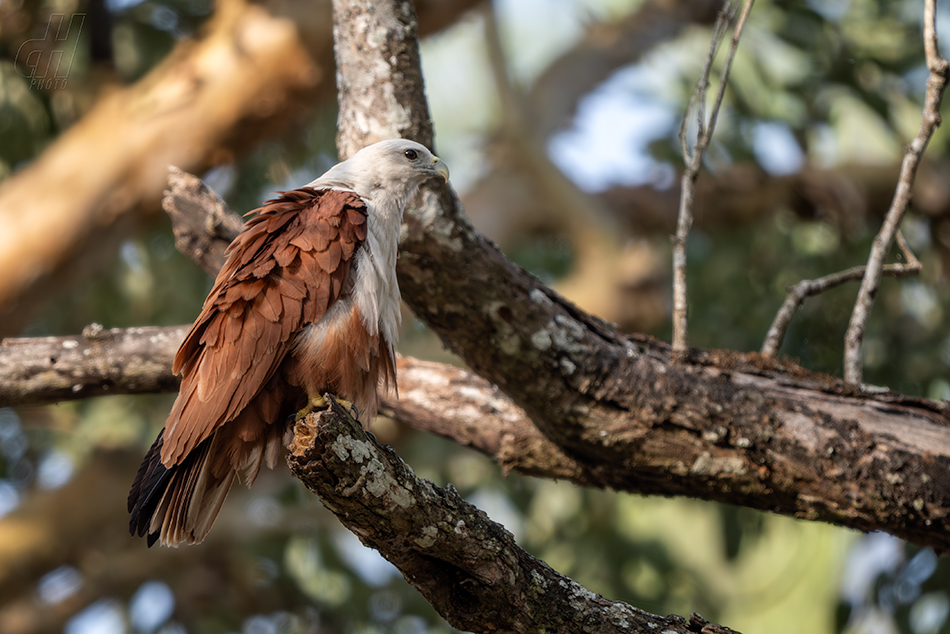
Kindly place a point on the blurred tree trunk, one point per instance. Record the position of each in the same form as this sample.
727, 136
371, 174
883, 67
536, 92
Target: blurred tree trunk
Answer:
84, 525
258, 70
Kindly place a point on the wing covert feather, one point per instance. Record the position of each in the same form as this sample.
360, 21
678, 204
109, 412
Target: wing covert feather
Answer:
284, 270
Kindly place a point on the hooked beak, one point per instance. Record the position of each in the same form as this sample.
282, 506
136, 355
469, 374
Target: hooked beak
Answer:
440, 168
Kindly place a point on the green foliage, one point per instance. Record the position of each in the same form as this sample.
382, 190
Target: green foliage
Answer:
844, 78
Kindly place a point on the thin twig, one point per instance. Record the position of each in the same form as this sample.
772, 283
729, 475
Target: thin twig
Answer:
809, 288
936, 83
693, 161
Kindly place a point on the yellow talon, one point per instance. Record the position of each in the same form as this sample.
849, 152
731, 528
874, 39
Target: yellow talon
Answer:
315, 403
320, 401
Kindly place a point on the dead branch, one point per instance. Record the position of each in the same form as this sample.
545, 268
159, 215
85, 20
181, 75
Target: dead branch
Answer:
797, 293
936, 84
203, 223
467, 566
693, 160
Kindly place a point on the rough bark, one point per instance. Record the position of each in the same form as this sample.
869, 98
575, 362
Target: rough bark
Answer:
433, 397
728, 427
96, 363
367, 113
467, 566
470, 411
204, 226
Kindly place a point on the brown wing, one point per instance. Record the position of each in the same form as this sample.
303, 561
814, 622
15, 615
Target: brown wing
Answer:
285, 270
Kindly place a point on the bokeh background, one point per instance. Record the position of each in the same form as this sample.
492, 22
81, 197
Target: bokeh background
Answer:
559, 120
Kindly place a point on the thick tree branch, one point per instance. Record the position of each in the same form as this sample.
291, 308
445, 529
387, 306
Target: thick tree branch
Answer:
96, 363
374, 93
467, 566
433, 397
470, 411
731, 427
727, 427
936, 84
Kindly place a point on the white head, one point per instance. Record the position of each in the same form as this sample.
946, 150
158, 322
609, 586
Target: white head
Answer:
393, 169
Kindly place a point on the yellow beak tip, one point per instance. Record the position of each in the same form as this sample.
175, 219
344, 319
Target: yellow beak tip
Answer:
441, 169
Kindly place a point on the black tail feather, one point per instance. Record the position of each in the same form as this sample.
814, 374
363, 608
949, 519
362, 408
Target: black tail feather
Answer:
147, 489
153, 481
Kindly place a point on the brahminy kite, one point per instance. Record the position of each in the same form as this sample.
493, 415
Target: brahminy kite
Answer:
307, 304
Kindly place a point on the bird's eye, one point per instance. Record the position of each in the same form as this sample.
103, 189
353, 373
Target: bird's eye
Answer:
411, 154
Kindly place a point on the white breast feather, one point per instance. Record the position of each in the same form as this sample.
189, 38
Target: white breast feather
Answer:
375, 287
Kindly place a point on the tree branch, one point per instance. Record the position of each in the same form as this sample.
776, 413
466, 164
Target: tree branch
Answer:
203, 223
809, 288
936, 84
618, 413
467, 566
728, 427
732, 427
98, 362
374, 97
693, 161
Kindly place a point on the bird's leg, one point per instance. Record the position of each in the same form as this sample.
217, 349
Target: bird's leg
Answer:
319, 401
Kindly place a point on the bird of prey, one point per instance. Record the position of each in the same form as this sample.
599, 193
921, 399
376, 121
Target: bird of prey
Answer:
307, 303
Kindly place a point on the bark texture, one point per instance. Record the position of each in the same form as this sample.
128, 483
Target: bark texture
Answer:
724, 426
466, 566
98, 362
615, 412
730, 427
204, 226
375, 98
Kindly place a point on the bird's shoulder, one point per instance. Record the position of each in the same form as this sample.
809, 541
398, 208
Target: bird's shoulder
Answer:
294, 253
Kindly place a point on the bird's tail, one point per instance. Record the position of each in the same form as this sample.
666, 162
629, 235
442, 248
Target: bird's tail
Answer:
178, 504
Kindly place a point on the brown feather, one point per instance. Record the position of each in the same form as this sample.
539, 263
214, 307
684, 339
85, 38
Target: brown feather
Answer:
348, 361
285, 270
